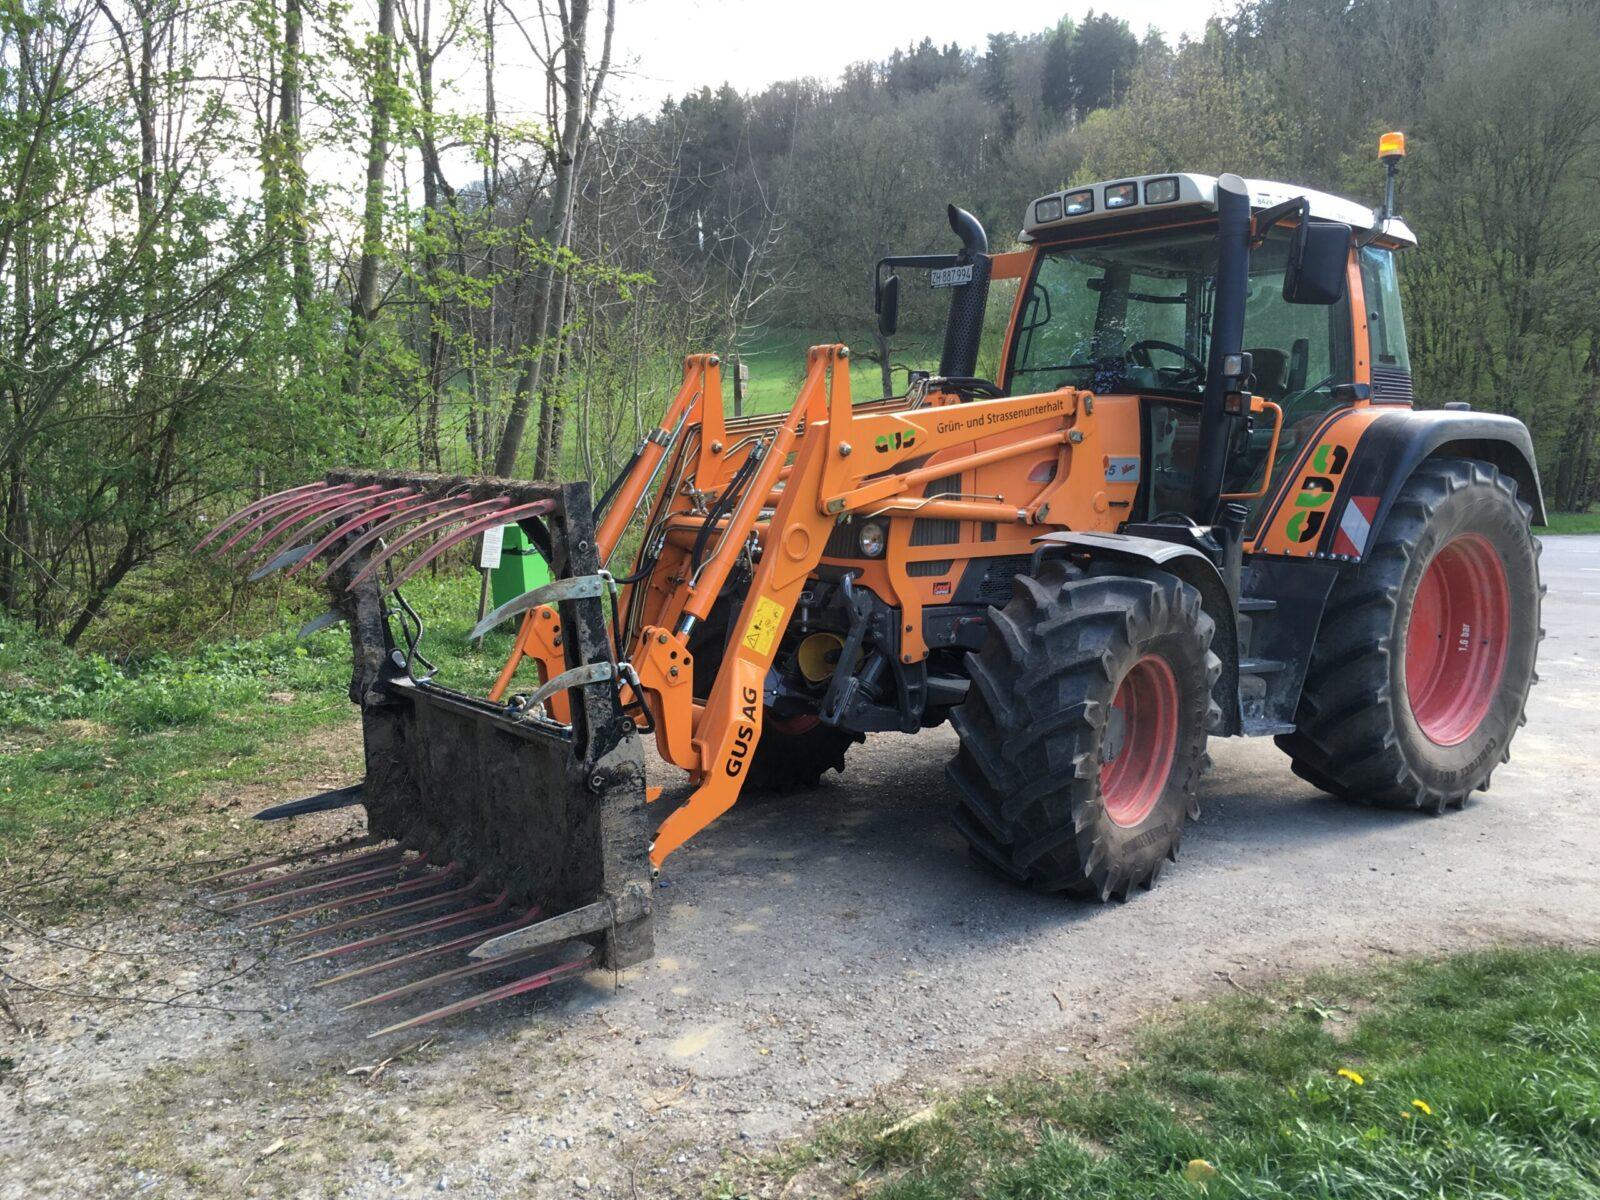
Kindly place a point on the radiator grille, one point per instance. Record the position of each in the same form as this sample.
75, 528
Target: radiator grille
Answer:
997, 576
937, 531
934, 566
842, 542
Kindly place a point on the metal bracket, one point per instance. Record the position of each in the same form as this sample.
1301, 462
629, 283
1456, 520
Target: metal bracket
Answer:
605, 913
317, 624
579, 587
286, 558
589, 673
322, 802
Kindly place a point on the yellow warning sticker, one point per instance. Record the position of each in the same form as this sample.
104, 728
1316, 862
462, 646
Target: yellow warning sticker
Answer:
764, 626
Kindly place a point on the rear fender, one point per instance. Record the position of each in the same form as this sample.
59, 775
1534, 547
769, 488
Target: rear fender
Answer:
1185, 562
1390, 449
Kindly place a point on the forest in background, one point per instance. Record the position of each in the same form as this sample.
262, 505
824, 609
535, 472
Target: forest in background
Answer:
245, 240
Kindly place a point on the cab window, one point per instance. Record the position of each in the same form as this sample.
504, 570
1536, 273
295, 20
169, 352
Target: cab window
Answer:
1386, 328
1299, 353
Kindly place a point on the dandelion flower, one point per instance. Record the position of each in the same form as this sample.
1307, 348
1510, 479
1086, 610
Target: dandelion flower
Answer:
1200, 1172
1422, 1107
1353, 1076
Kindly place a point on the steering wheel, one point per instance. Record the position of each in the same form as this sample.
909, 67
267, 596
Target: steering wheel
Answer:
1139, 355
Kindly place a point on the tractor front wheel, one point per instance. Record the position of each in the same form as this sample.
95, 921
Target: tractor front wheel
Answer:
1083, 734
1421, 670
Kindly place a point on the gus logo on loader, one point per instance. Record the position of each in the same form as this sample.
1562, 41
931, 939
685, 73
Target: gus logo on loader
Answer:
744, 735
898, 440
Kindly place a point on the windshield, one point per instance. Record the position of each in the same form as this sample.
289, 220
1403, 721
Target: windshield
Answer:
1134, 315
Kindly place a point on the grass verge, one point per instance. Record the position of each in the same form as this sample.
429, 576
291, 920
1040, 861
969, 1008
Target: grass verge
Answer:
87, 739
1566, 522
1474, 1076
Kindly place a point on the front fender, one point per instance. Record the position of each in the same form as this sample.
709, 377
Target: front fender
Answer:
1175, 558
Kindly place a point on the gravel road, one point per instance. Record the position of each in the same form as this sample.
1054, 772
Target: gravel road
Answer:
819, 952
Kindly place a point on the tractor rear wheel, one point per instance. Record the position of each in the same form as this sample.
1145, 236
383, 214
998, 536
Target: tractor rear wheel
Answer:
1421, 671
1083, 734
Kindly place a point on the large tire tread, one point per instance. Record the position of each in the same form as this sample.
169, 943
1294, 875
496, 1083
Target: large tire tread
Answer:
1354, 736
1027, 774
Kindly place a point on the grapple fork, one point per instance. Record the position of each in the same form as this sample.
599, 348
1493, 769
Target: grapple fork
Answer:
541, 816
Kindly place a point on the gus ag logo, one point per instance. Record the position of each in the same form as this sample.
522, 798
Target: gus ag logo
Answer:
898, 440
1316, 492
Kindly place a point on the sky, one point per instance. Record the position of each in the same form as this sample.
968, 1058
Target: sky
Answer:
669, 47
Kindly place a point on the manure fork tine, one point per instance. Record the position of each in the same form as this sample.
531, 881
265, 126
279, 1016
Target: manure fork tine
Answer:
394, 522
251, 509
283, 860
471, 888
432, 925
316, 511
328, 885
389, 508
471, 529
277, 510
313, 872
430, 526
504, 992
427, 952
433, 879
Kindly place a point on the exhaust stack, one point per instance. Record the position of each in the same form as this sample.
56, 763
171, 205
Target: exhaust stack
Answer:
964, 327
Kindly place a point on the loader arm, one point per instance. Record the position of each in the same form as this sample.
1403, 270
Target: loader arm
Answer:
845, 463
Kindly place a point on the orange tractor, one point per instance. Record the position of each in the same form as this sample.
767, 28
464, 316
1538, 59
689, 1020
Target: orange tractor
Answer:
1194, 501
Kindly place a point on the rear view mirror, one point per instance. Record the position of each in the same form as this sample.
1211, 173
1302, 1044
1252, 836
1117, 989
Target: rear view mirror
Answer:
888, 306
1318, 258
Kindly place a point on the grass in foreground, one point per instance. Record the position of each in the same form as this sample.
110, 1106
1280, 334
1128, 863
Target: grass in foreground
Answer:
1567, 522
1476, 1076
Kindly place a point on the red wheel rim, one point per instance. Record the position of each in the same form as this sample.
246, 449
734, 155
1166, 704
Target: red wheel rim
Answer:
797, 724
1133, 779
1456, 640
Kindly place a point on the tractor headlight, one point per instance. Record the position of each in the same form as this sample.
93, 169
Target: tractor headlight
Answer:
1047, 210
1079, 203
1161, 191
1120, 195
870, 538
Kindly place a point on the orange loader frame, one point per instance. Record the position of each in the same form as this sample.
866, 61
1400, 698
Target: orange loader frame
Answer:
826, 459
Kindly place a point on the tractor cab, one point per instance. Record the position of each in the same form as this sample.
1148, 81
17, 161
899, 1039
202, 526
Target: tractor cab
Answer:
1121, 298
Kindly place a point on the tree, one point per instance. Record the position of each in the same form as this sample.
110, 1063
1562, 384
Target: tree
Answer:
998, 75
1103, 55
1058, 87
547, 314
382, 90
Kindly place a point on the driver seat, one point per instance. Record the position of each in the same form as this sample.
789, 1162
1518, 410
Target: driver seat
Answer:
1271, 370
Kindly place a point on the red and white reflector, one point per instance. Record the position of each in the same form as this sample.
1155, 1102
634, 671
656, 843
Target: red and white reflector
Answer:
1355, 526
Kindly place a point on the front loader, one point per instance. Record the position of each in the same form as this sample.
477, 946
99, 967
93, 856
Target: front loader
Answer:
1195, 501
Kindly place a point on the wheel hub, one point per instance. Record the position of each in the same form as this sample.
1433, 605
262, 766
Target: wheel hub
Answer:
1139, 741
1456, 639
